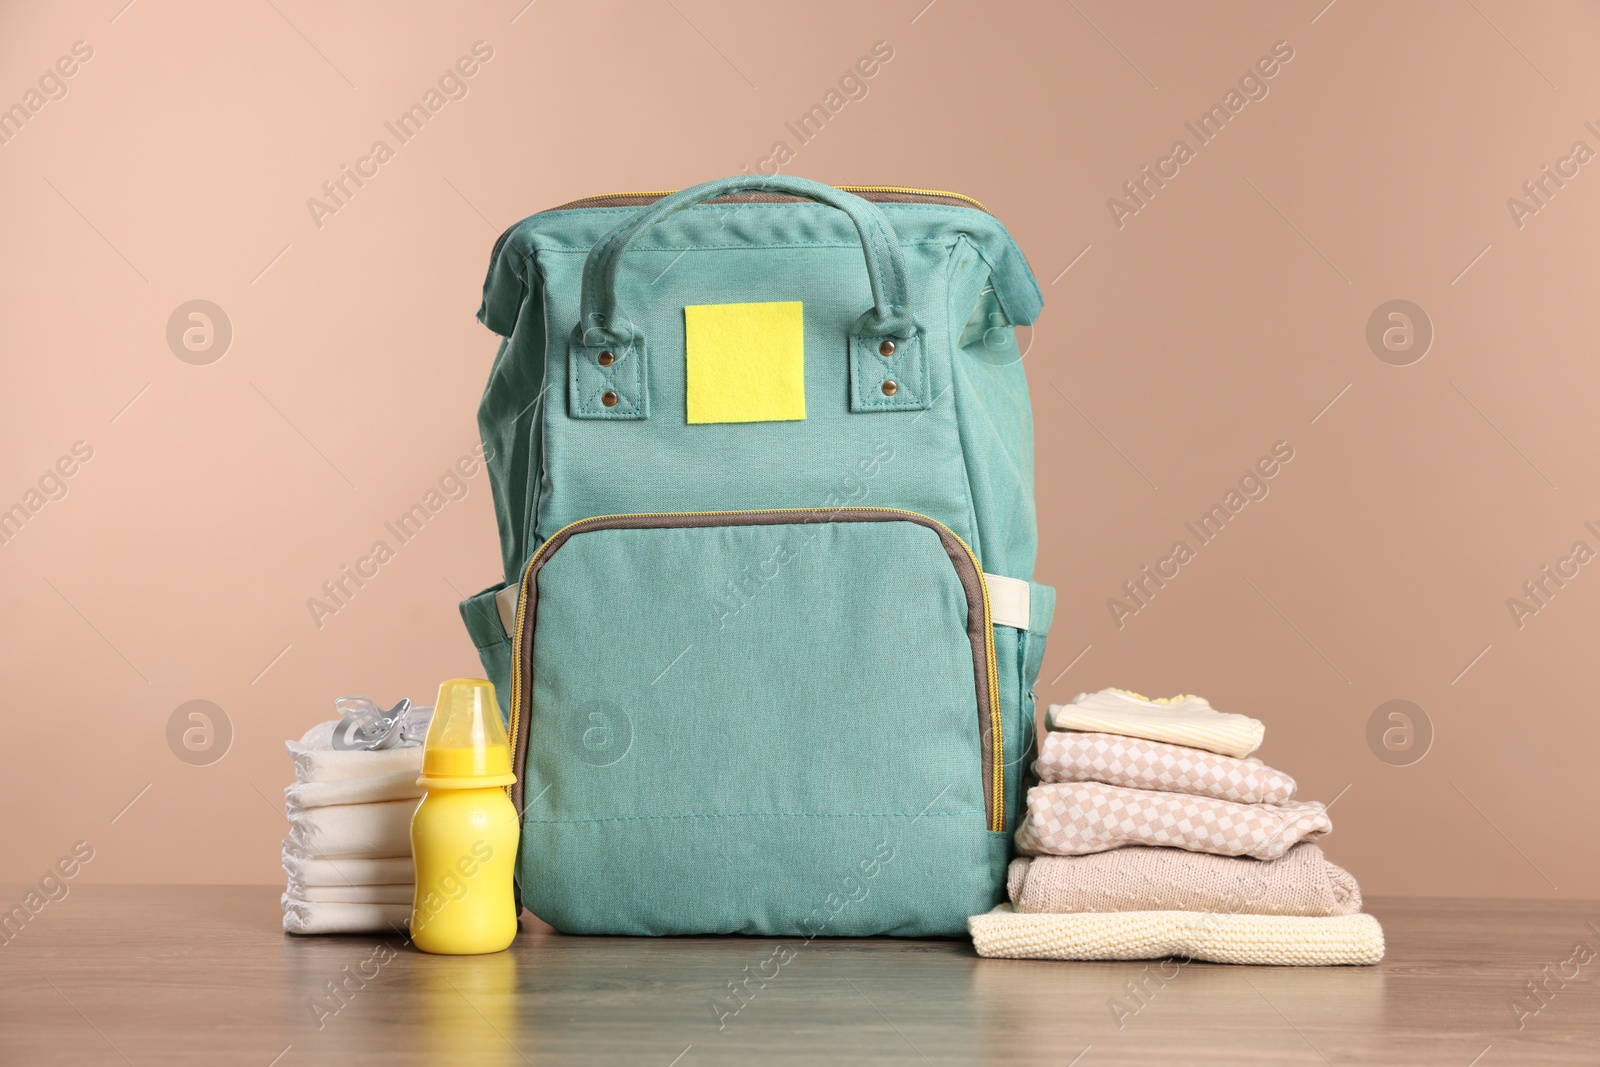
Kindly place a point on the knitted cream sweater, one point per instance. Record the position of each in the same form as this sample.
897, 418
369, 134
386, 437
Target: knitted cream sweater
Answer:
1284, 940
1300, 882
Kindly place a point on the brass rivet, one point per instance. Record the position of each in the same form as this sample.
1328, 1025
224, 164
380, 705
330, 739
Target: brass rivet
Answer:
890, 388
605, 359
609, 399
886, 349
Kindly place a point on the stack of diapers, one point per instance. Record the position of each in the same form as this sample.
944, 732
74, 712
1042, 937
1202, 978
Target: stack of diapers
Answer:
348, 854
1153, 833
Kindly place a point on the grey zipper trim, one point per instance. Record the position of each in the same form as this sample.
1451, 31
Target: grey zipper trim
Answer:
971, 583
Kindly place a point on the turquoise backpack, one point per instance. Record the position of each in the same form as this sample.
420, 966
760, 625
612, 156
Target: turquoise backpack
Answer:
762, 462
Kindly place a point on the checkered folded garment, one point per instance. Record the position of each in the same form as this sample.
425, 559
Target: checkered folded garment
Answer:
1070, 756
1073, 819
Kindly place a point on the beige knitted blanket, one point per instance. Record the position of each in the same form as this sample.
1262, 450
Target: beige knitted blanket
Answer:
1070, 756
1300, 882
1070, 819
1283, 940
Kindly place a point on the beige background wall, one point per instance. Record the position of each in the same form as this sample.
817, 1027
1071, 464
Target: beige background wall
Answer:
1227, 314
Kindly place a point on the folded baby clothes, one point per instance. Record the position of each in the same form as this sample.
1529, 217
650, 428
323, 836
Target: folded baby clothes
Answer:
308, 917
351, 894
1180, 720
1073, 818
1300, 882
1281, 940
374, 831
307, 870
1070, 756
402, 785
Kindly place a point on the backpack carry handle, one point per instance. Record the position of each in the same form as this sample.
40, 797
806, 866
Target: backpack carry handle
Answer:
890, 315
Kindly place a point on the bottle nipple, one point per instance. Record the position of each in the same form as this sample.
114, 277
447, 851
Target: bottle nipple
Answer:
466, 746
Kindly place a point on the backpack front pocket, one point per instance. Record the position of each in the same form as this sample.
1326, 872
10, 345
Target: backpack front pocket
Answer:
769, 722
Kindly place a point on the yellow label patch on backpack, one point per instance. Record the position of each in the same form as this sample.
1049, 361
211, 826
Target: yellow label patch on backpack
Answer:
745, 362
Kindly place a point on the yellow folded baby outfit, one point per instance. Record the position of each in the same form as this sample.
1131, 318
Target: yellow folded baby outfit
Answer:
1182, 720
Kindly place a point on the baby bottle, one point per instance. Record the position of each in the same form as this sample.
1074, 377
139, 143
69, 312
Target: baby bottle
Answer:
464, 833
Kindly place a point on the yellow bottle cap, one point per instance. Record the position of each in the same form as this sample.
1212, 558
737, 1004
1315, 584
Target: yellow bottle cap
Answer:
466, 746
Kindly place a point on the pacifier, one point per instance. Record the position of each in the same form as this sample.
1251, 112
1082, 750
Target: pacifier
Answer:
365, 725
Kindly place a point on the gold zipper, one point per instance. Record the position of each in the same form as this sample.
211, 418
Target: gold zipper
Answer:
996, 718
912, 192
657, 193
867, 191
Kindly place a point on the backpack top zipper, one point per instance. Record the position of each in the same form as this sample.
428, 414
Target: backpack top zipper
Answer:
890, 194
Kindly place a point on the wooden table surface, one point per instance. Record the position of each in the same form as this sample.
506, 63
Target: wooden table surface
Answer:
202, 975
